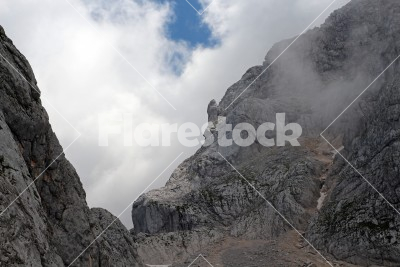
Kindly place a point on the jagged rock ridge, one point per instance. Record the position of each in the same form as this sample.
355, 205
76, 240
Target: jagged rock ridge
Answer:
206, 204
206, 207
50, 224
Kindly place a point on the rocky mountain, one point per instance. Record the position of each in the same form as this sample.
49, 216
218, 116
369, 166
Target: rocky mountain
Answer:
236, 206
244, 214
361, 221
44, 218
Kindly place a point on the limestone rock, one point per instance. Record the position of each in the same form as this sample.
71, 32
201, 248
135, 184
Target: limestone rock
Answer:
49, 223
312, 83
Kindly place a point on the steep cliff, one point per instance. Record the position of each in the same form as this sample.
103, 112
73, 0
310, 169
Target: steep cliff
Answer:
360, 221
238, 206
46, 222
209, 207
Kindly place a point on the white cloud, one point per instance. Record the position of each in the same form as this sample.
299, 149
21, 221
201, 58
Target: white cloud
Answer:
82, 75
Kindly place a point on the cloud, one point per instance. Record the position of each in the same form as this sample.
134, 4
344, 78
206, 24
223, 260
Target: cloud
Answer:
80, 70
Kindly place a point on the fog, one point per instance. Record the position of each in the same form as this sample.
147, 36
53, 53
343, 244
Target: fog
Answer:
121, 64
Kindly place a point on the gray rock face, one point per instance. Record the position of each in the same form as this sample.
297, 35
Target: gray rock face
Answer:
207, 206
115, 246
50, 223
357, 224
225, 197
209, 197
212, 111
313, 82
173, 247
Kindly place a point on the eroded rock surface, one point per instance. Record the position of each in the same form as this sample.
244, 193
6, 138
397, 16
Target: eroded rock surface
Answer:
49, 223
232, 214
357, 223
313, 82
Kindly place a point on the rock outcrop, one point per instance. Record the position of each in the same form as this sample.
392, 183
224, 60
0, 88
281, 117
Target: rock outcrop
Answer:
312, 83
236, 205
44, 219
360, 221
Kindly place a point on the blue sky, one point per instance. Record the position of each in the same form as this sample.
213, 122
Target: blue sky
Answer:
70, 58
187, 25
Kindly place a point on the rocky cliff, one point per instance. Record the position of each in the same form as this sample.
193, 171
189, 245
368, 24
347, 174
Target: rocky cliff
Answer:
238, 206
360, 221
232, 215
44, 218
